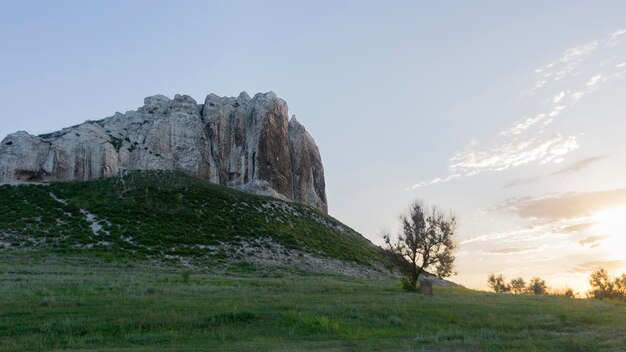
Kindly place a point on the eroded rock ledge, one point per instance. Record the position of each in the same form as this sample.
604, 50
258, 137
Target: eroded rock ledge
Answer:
244, 143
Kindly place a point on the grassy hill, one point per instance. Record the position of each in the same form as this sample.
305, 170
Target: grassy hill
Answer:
169, 216
160, 261
82, 303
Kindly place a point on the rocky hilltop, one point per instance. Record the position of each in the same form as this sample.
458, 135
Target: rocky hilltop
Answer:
244, 143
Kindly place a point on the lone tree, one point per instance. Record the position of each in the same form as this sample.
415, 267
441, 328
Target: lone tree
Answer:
424, 242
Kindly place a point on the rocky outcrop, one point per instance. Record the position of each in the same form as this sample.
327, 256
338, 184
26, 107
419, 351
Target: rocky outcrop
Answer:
306, 164
245, 143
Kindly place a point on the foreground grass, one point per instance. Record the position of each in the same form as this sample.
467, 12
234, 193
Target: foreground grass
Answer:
78, 303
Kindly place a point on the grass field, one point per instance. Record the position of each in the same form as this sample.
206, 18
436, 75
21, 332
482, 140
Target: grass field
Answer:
82, 303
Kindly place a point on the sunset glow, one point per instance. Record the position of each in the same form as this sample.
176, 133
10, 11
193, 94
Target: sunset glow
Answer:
611, 223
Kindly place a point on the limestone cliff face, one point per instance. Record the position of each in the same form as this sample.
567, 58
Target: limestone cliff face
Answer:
306, 164
245, 143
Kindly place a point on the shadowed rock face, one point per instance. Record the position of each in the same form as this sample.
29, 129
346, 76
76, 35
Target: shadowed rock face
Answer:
245, 143
306, 164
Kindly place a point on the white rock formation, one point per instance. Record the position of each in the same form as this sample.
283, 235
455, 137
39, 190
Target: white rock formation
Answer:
245, 143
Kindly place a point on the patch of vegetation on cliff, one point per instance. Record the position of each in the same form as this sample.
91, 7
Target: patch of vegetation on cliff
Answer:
166, 214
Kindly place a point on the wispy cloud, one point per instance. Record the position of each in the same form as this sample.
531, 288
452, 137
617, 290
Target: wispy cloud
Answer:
510, 250
535, 232
555, 222
522, 181
563, 206
609, 265
558, 97
559, 85
595, 80
617, 37
578, 165
523, 249
566, 65
591, 241
577, 228
568, 170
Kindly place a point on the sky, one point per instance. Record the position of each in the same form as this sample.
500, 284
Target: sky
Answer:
511, 114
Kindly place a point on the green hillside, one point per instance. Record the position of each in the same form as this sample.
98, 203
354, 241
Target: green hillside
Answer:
84, 303
168, 216
150, 262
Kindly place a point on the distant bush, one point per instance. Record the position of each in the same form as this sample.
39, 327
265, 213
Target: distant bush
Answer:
567, 292
536, 286
604, 286
518, 285
498, 284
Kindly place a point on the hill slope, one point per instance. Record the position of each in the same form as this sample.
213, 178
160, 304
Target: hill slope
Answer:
171, 216
68, 304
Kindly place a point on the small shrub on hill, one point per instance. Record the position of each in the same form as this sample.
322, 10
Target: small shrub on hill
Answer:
406, 285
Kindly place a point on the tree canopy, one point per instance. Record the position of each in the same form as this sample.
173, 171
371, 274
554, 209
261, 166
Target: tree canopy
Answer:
425, 242
605, 286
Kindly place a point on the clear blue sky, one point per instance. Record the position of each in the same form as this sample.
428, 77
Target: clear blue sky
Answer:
391, 91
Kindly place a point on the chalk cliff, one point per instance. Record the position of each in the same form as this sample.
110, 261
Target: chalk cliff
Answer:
244, 143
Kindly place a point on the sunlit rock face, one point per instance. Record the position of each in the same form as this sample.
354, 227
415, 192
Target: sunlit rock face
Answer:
244, 143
